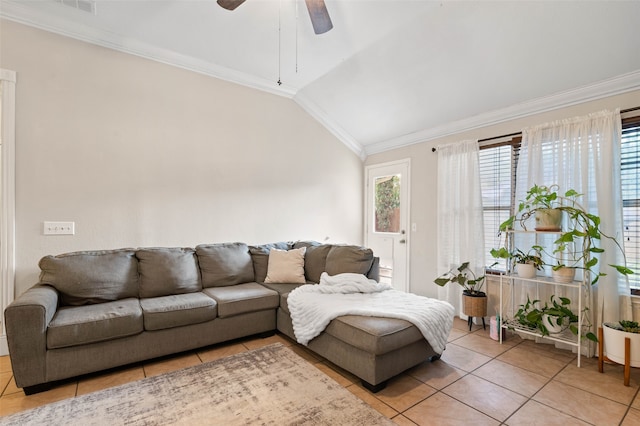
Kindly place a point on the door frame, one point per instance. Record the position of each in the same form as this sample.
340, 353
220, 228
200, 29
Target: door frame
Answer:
7, 211
368, 216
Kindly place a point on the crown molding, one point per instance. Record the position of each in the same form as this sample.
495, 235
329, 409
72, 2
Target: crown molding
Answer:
36, 18
602, 89
323, 118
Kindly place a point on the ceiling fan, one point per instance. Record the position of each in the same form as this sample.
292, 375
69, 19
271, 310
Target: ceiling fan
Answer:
317, 11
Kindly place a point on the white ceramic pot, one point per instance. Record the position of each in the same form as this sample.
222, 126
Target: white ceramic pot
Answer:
526, 270
551, 324
563, 275
548, 220
613, 341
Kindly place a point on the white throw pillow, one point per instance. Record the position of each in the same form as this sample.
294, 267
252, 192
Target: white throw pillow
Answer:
286, 266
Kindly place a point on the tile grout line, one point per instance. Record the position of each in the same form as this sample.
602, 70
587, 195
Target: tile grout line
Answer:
555, 377
630, 405
467, 373
528, 398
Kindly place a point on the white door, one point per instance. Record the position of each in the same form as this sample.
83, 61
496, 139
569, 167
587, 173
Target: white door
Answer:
386, 220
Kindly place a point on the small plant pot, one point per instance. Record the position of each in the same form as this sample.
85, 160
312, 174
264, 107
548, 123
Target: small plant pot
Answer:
563, 275
548, 220
526, 270
613, 341
552, 324
475, 305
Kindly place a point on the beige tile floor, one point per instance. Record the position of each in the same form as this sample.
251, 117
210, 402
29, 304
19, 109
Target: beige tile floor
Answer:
477, 382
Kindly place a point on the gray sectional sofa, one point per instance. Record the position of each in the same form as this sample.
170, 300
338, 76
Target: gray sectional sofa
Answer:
96, 310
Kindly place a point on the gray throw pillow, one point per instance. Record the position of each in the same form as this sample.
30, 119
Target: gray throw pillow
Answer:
166, 271
225, 264
89, 277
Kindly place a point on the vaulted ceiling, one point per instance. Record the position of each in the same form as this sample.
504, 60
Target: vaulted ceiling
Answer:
391, 72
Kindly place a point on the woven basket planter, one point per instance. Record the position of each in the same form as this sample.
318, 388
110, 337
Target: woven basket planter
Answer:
474, 306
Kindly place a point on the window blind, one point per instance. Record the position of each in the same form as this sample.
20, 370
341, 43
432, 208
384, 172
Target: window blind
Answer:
498, 161
630, 177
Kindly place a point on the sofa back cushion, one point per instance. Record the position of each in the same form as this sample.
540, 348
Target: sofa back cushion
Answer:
315, 261
89, 277
353, 259
166, 271
225, 264
260, 258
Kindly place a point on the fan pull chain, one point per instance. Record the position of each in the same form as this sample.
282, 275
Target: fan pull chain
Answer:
296, 37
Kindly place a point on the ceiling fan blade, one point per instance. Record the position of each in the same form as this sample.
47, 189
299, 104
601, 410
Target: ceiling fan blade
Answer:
230, 4
319, 16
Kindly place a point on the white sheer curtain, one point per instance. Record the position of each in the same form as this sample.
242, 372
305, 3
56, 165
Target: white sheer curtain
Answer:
583, 153
460, 220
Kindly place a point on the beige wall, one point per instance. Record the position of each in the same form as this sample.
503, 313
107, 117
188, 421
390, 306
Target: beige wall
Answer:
424, 172
139, 153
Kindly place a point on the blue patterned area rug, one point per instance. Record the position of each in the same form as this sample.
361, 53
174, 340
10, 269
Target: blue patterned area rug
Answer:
266, 386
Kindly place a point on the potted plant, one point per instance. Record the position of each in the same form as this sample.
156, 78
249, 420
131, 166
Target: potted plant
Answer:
585, 229
620, 343
475, 300
614, 335
525, 264
541, 202
554, 317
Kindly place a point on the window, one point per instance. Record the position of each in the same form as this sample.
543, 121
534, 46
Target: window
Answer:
630, 174
498, 163
387, 204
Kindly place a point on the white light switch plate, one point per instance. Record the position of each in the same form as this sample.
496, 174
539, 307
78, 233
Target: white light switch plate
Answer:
59, 228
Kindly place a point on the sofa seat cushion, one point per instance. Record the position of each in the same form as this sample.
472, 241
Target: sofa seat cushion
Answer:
283, 290
177, 310
79, 325
375, 335
242, 298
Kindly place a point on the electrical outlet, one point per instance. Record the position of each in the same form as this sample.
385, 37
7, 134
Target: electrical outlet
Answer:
59, 228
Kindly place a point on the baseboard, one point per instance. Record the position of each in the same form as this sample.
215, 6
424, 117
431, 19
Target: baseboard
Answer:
4, 347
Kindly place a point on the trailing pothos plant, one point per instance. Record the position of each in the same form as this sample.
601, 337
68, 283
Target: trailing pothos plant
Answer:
531, 314
584, 229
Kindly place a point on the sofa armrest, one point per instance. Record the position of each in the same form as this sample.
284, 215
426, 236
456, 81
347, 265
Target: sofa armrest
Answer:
27, 319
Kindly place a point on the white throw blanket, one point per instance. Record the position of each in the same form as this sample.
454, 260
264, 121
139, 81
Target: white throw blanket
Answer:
313, 307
